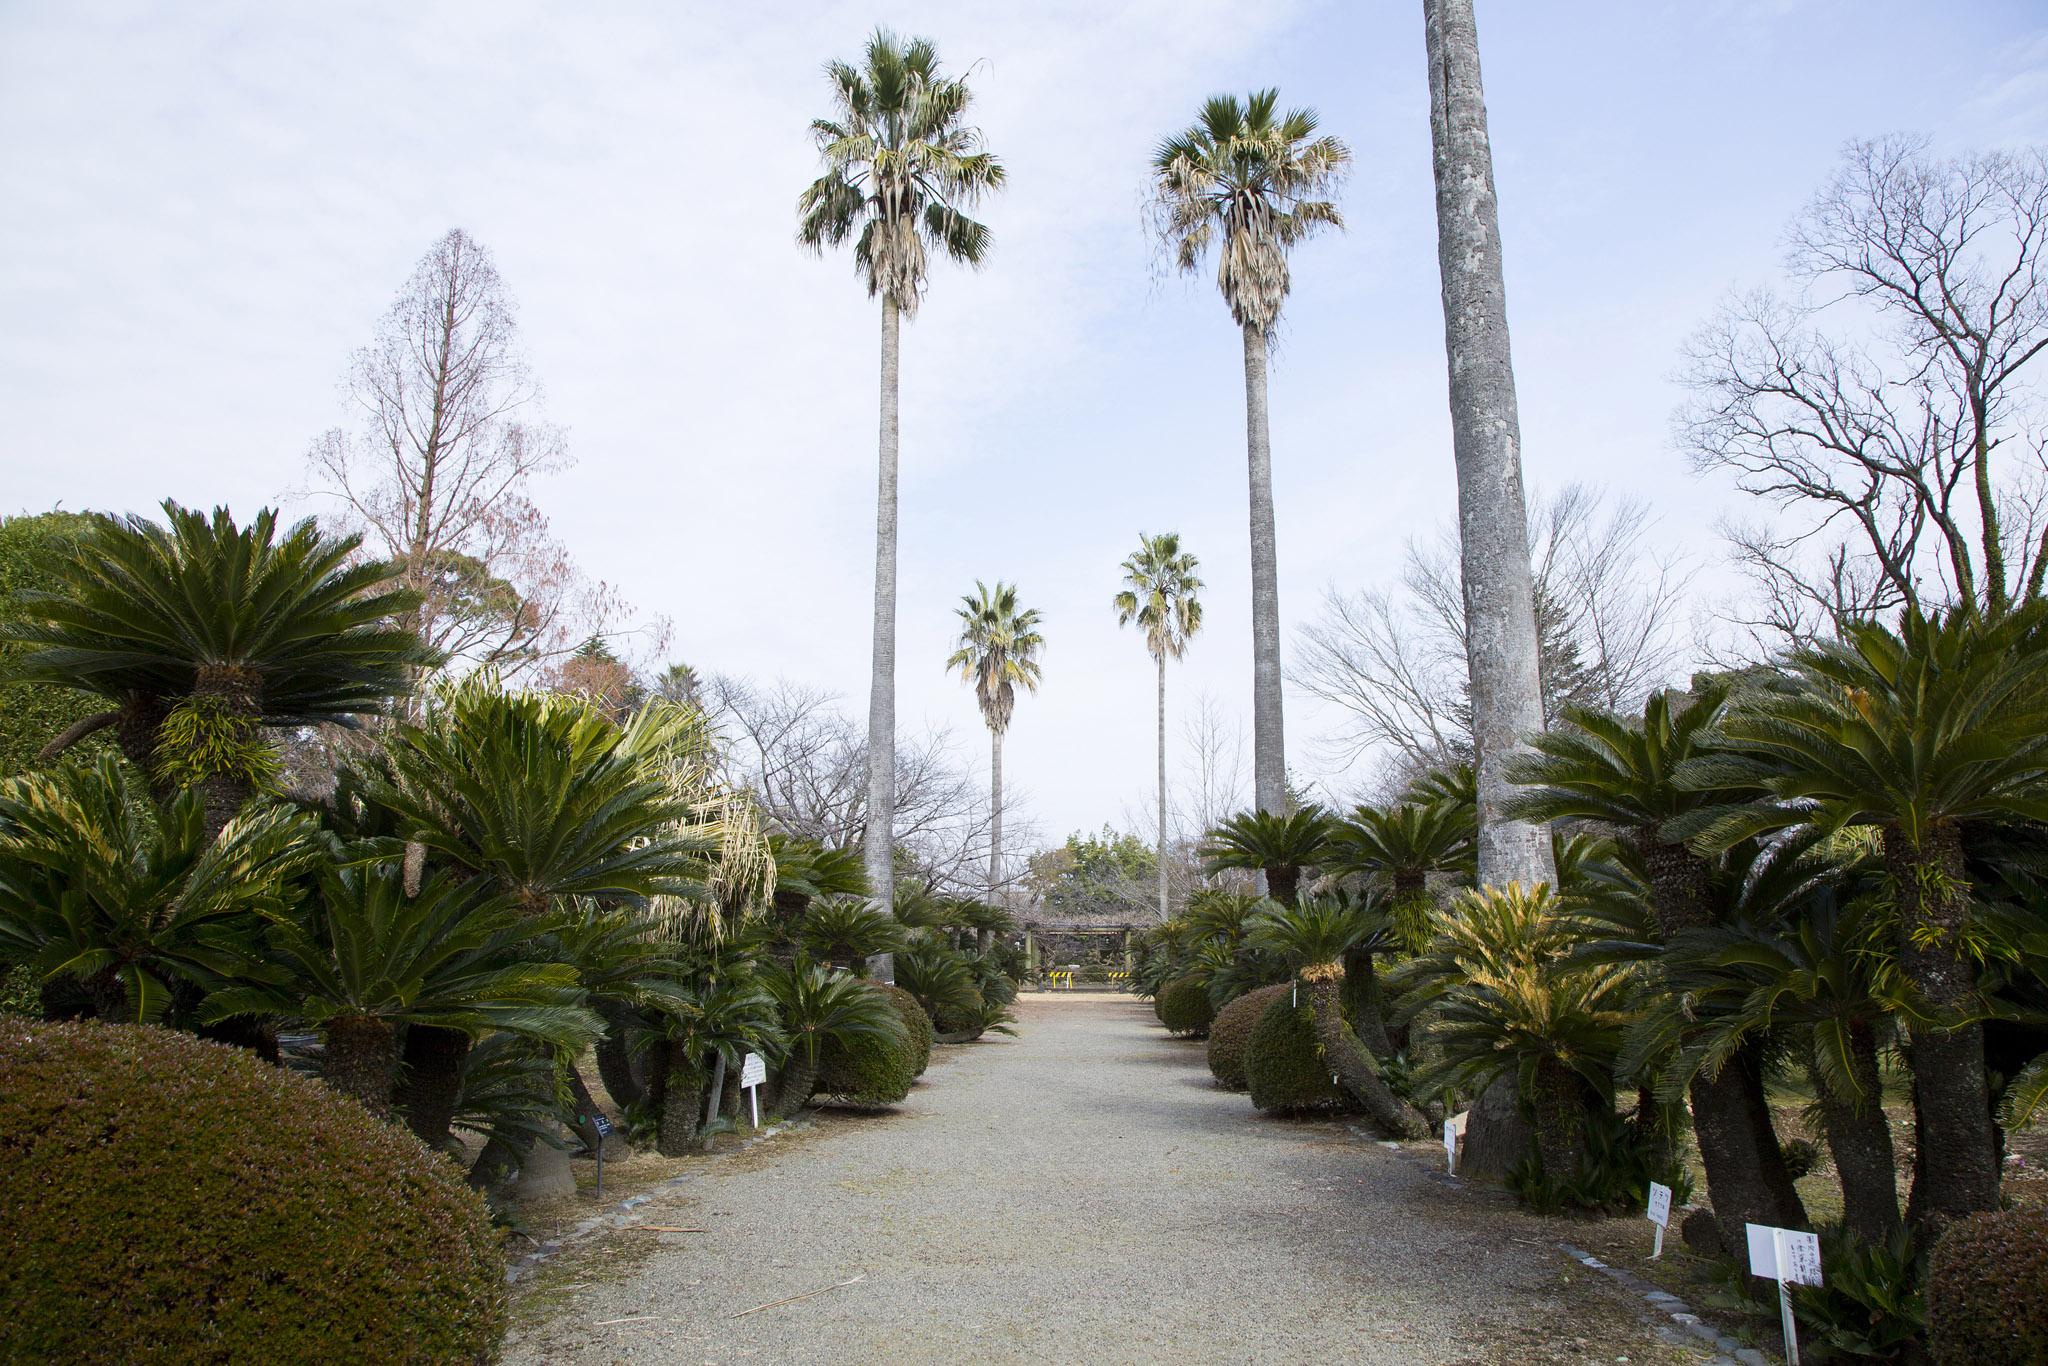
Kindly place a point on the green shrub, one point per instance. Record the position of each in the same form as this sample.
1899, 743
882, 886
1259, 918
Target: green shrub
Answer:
33, 714
1283, 1064
173, 1200
1230, 1033
943, 982
1987, 1290
916, 1023
1184, 1006
875, 1069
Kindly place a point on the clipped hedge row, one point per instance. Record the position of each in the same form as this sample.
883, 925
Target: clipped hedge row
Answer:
1184, 1007
1283, 1064
1230, 1034
877, 1069
1987, 1290
173, 1200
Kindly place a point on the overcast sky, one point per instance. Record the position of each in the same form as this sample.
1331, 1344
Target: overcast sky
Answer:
204, 208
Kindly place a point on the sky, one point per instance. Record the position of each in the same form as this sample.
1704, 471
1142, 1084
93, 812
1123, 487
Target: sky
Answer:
205, 207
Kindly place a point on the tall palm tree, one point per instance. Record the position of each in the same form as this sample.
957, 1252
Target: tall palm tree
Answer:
1500, 599
1248, 178
998, 654
1161, 597
902, 167
1912, 733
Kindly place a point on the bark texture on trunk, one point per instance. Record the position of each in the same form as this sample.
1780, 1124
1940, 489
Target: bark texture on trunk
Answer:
1496, 1134
616, 1067
1747, 1179
1363, 1005
432, 1081
879, 844
1951, 1091
1558, 1096
995, 818
714, 1100
1493, 524
1350, 1064
361, 1060
682, 1098
1860, 1140
1160, 717
793, 1084
1269, 745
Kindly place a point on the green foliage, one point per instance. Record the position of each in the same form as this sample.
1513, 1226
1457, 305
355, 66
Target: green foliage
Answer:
1230, 1034
1280, 846
33, 714
208, 737
875, 1069
178, 1201
511, 1092
998, 650
1162, 594
1108, 876
917, 1025
1614, 1176
819, 1006
1987, 1290
1319, 929
1184, 1007
848, 932
1283, 1062
943, 983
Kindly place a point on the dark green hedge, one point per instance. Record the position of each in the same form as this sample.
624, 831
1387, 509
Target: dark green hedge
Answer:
877, 1069
916, 1022
173, 1200
33, 714
1230, 1034
1283, 1066
1184, 1006
1987, 1290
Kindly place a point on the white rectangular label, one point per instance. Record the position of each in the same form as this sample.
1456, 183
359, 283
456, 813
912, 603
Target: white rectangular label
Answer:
1659, 1212
1784, 1254
753, 1071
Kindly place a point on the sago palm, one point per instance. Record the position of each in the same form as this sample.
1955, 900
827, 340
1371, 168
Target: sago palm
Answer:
1162, 595
849, 933
1622, 773
1278, 845
902, 170
234, 627
997, 653
1401, 846
816, 1006
1911, 732
1250, 181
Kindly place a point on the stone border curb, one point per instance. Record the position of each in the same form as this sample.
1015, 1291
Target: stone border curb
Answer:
623, 1214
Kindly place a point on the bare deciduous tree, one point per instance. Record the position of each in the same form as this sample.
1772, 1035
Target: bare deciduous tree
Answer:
1608, 603
1888, 412
437, 476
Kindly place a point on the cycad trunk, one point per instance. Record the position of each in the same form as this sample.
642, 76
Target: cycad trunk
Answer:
1163, 911
1269, 748
995, 829
1860, 1140
432, 1081
361, 1060
1558, 1097
238, 694
1956, 1172
1500, 613
879, 844
793, 1084
1351, 1066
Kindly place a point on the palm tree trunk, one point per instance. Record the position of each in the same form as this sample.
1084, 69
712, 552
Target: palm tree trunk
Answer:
1747, 1179
1493, 525
1351, 1067
1558, 1096
879, 844
794, 1083
1164, 913
995, 824
1860, 1140
432, 1081
361, 1060
1269, 747
1951, 1091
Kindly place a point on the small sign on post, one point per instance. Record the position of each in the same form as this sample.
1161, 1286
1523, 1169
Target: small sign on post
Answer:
753, 1072
1659, 1213
603, 1127
1790, 1257
1454, 1131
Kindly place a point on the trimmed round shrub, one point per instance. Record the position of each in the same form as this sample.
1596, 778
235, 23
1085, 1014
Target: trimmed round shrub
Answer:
1987, 1290
1230, 1033
173, 1200
916, 1021
1184, 1006
1283, 1066
875, 1069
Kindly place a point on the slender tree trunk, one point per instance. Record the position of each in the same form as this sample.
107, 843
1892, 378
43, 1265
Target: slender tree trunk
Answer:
995, 827
1269, 746
615, 1060
1493, 523
1164, 912
1362, 1003
361, 1060
1860, 1139
879, 845
1951, 1091
1351, 1066
714, 1101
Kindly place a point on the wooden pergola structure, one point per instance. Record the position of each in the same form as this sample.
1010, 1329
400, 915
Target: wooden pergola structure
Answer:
1037, 931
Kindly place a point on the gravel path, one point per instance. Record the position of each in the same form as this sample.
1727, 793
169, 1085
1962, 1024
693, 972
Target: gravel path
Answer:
1079, 1192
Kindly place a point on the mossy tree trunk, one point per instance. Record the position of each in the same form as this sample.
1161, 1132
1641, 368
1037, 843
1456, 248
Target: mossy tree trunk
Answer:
1351, 1066
793, 1083
682, 1102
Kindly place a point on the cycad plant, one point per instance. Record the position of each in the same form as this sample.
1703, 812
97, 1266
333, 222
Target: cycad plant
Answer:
1162, 595
1315, 936
943, 983
902, 170
1250, 181
1623, 773
712, 1023
1401, 846
817, 1006
1911, 732
847, 933
997, 653
135, 903
1279, 845
199, 632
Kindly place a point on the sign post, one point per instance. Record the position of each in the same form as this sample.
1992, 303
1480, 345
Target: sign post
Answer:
1659, 1213
1454, 1130
1789, 1257
753, 1072
604, 1131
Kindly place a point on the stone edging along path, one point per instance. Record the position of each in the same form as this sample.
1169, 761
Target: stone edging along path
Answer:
1732, 1353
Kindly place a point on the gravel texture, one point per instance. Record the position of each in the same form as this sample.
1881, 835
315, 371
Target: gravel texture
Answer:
1079, 1192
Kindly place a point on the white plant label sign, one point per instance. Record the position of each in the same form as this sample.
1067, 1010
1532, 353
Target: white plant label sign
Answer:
1790, 1257
1454, 1132
1659, 1213
753, 1071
